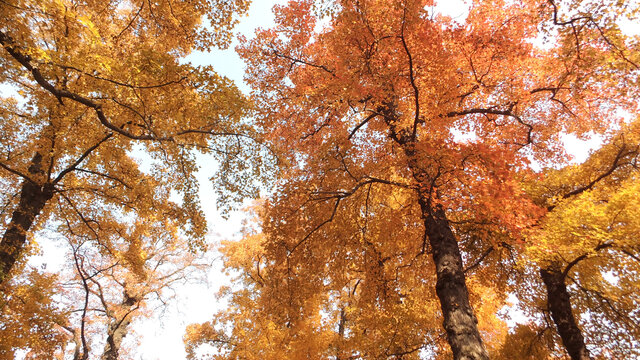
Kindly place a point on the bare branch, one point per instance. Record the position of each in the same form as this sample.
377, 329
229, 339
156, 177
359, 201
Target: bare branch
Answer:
365, 121
300, 61
416, 94
330, 219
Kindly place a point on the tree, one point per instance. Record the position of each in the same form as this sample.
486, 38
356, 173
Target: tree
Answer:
99, 84
112, 276
382, 95
583, 27
110, 289
587, 234
28, 315
361, 303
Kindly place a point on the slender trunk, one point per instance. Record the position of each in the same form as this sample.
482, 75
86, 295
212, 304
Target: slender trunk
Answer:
119, 328
33, 198
559, 304
341, 325
78, 352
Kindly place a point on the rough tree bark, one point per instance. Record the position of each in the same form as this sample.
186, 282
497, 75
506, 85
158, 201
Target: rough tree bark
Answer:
559, 304
33, 198
460, 322
119, 327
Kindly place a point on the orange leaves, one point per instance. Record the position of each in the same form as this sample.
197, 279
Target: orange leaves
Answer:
368, 115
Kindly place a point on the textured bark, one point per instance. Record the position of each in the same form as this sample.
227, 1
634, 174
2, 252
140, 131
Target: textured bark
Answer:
460, 322
341, 324
559, 304
118, 327
33, 198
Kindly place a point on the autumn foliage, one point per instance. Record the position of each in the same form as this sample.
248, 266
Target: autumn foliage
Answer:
100, 89
422, 182
409, 140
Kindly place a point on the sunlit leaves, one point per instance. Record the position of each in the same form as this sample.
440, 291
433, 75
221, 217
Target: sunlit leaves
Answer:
386, 111
109, 117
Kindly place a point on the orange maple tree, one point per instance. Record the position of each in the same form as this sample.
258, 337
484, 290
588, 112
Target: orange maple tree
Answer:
359, 97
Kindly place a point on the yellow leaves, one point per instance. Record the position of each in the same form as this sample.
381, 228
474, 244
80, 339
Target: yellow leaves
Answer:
527, 342
58, 4
41, 54
196, 334
245, 254
591, 204
488, 302
600, 216
29, 316
86, 21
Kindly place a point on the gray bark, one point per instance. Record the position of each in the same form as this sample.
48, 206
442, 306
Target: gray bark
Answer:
460, 322
119, 328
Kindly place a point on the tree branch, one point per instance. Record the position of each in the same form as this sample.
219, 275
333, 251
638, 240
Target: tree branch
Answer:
416, 94
365, 121
84, 155
493, 111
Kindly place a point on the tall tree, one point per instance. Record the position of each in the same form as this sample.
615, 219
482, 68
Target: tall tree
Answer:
114, 274
586, 247
99, 84
112, 288
391, 94
361, 300
582, 26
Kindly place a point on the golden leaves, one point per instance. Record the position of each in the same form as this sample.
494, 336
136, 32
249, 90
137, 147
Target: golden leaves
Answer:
101, 83
29, 316
380, 91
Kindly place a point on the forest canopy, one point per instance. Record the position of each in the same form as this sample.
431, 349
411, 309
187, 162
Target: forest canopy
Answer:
416, 185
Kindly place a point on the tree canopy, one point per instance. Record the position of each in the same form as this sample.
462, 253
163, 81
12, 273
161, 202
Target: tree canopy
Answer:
421, 185
98, 86
409, 143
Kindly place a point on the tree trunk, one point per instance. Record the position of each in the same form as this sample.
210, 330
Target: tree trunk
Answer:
33, 198
119, 327
559, 305
460, 323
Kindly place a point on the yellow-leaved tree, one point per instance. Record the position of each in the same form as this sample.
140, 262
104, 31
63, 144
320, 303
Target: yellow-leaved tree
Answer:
587, 250
99, 83
91, 90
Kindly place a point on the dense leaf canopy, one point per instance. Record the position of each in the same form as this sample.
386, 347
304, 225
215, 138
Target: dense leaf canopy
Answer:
423, 193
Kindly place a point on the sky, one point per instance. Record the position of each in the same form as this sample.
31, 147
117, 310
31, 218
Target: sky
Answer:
160, 336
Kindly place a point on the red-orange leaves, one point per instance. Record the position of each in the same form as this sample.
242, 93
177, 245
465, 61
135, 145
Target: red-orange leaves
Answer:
403, 134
